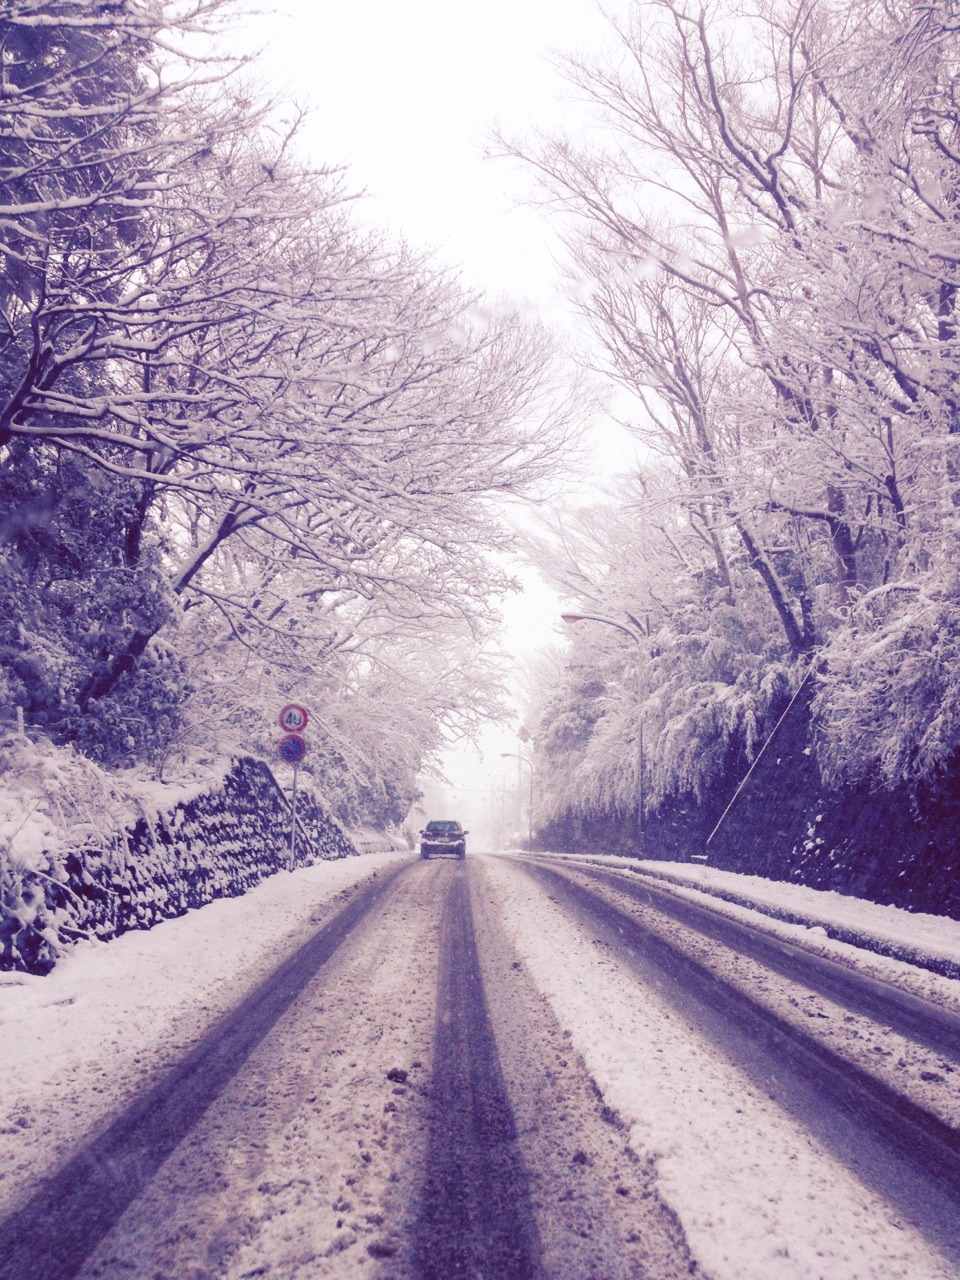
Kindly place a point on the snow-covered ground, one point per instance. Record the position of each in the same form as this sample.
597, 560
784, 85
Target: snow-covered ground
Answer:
888, 930
755, 1194
81, 1041
758, 1197
910, 950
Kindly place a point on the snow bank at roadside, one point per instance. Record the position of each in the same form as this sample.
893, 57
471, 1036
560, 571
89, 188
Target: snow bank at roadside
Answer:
894, 927
920, 939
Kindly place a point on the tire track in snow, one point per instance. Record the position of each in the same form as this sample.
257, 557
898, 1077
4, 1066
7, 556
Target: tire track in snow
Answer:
56, 1230
906, 1154
475, 1217
935, 1027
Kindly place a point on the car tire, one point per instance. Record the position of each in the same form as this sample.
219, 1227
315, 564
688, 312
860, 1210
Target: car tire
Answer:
425, 857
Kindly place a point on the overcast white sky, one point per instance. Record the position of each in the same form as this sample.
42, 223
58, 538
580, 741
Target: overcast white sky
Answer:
406, 95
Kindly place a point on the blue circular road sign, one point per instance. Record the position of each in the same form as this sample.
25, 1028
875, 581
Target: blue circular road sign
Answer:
291, 749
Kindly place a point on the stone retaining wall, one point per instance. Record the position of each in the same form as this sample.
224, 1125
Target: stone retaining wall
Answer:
218, 844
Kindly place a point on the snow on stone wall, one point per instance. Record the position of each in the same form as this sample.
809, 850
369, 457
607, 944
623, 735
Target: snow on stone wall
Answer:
218, 843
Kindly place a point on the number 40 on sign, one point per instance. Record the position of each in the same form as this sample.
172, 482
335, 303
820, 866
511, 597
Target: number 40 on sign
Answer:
293, 718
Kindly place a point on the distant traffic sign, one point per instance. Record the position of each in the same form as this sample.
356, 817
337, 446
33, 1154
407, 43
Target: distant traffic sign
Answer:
293, 718
291, 749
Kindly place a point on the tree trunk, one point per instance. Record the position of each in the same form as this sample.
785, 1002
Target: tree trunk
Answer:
99, 686
800, 641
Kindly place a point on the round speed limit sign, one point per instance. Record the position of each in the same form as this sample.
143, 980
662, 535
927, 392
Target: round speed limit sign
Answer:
293, 718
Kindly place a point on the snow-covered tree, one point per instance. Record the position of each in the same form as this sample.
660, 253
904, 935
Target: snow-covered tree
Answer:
97, 134
304, 428
702, 682
68, 596
763, 237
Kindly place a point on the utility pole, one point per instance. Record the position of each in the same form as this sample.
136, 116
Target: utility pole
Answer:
641, 780
521, 761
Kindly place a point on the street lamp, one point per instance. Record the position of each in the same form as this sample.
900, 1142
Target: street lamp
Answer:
522, 760
627, 631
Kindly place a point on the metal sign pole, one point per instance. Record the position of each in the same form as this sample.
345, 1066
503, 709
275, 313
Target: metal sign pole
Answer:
293, 816
291, 749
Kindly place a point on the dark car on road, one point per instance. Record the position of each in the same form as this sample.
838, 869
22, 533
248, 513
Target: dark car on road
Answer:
443, 837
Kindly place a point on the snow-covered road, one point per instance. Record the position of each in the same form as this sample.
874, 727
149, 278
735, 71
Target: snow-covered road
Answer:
632, 1143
